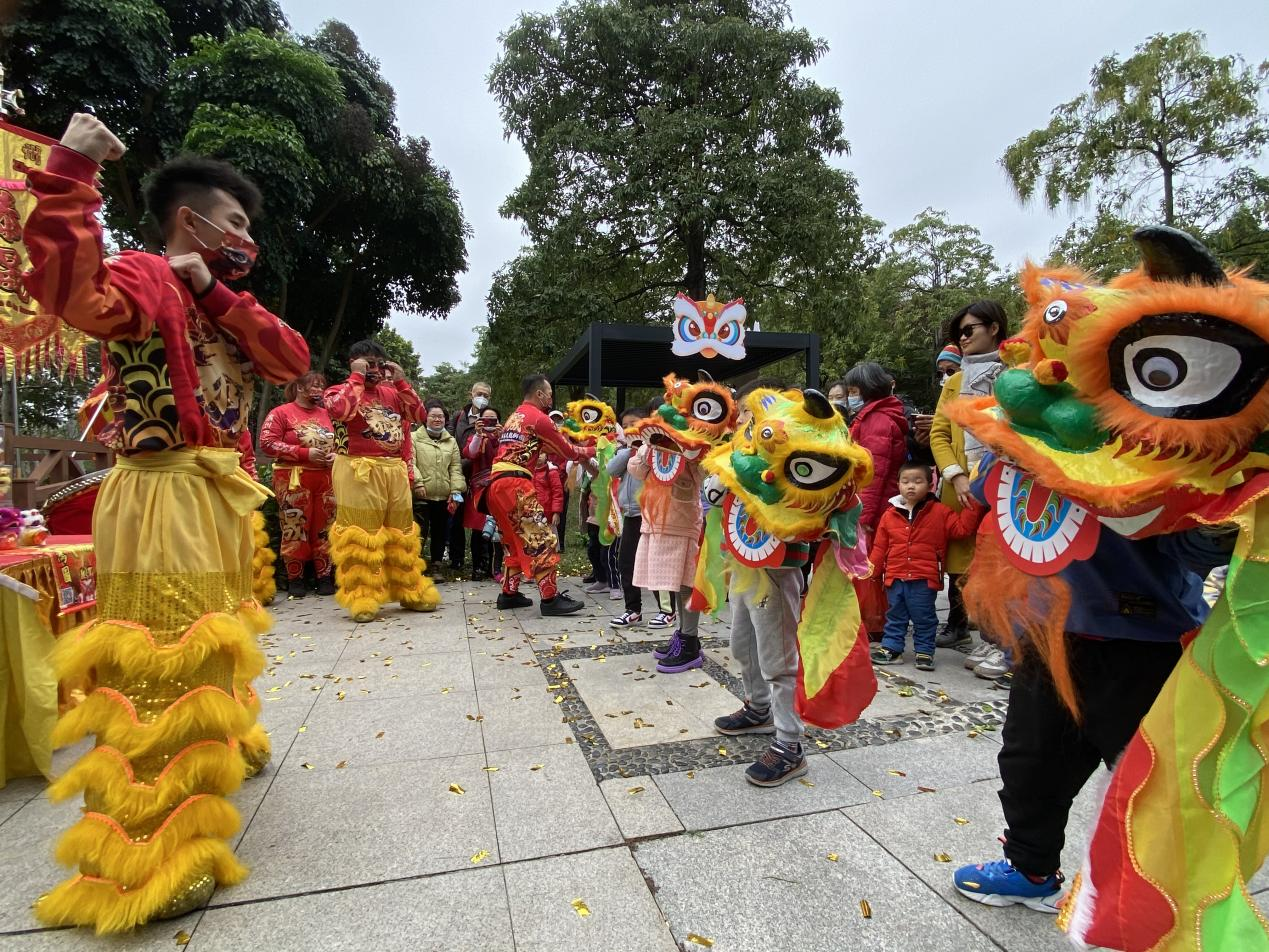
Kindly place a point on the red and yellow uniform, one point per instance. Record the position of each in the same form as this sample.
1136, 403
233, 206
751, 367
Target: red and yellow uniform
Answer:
263, 558
174, 648
306, 499
527, 536
375, 541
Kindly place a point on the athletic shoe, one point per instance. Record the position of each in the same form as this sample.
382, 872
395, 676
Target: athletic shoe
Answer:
513, 600
615, 594
745, 721
297, 589
589, 579
326, 585
924, 662
993, 666
979, 654
778, 764
627, 620
667, 649
883, 655
561, 604
663, 620
949, 637
998, 884
594, 588
685, 654
1004, 682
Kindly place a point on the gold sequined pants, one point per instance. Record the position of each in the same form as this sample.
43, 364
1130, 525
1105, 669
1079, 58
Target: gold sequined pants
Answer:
173, 653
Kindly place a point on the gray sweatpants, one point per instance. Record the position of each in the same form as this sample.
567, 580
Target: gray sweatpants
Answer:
764, 642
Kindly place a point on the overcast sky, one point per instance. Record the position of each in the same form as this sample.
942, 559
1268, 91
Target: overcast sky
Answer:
933, 92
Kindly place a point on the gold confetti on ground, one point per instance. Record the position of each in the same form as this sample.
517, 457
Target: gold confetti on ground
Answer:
806, 783
537, 766
581, 908
943, 857
905, 692
635, 790
490, 769
559, 699
700, 940
182, 938
446, 690
480, 857
832, 857
896, 773
307, 766
722, 751
456, 788
341, 765
960, 820
302, 729
379, 735
340, 696
878, 794
925, 789
973, 733
691, 775
865, 908
821, 745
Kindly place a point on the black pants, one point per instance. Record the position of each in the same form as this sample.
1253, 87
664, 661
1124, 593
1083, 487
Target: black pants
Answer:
457, 541
631, 526
561, 529
957, 620
595, 553
612, 555
432, 515
480, 552
1046, 757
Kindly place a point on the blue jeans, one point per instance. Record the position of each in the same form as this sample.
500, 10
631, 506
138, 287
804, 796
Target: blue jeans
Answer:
914, 602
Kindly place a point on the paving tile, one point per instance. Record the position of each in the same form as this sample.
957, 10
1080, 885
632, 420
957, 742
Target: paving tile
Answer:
326, 827
720, 796
510, 662
950, 760
914, 829
889, 703
157, 937
639, 807
361, 677
792, 895
28, 870
418, 727
21, 789
10, 807
623, 917
669, 707
520, 718
464, 911
562, 787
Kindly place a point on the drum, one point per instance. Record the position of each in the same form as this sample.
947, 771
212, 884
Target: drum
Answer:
69, 511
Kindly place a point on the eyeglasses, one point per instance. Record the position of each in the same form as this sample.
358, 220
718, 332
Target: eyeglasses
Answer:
967, 330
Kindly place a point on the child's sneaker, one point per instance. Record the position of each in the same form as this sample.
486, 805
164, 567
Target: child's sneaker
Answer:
745, 721
627, 620
683, 654
615, 594
978, 654
1004, 682
883, 655
998, 884
924, 662
950, 637
663, 620
993, 666
594, 588
778, 764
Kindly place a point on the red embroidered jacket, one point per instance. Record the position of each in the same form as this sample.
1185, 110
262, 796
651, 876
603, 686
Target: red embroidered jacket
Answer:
183, 369
291, 433
373, 422
525, 435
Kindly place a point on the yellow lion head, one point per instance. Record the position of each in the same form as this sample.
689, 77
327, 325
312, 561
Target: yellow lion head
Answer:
588, 419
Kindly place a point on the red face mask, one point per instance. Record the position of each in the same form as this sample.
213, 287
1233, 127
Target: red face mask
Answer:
233, 258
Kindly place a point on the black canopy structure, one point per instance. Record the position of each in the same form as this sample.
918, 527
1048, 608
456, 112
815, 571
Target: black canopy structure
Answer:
635, 355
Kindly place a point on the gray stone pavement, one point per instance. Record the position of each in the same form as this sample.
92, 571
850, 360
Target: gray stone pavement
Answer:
484, 780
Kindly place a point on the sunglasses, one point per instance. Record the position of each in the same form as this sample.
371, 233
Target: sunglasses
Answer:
967, 330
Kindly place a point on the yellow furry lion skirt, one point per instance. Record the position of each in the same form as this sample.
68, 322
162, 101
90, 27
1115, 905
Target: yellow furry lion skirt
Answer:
172, 656
374, 542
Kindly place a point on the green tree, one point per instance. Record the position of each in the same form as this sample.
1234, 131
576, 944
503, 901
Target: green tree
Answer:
1150, 133
402, 352
451, 385
672, 146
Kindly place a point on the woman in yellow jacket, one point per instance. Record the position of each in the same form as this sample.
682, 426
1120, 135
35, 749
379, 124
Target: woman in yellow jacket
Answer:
979, 329
438, 481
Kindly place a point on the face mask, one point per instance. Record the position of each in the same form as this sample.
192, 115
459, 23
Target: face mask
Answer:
435, 434
855, 403
480, 402
944, 377
233, 259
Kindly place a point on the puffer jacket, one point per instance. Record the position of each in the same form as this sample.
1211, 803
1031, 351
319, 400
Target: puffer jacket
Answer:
628, 489
881, 428
911, 544
438, 470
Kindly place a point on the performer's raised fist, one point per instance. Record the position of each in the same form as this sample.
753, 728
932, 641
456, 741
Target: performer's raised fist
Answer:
392, 371
89, 136
193, 270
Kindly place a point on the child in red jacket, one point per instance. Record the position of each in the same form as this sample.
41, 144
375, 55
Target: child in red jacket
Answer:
908, 551
548, 482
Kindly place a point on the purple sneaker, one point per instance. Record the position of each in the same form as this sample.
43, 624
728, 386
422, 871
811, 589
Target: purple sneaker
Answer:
685, 654
670, 647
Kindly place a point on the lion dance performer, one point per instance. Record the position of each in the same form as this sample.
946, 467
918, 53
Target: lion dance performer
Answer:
375, 541
263, 558
300, 438
1133, 422
174, 648
529, 541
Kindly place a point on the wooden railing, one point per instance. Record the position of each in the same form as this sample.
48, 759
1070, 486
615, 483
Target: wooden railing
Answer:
42, 465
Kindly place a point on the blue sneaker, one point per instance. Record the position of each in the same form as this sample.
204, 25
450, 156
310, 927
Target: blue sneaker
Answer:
998, 884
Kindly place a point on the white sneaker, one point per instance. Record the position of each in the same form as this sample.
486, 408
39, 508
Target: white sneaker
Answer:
594, 588
627, 620
993, 666
615, 595
663, 620
978, 655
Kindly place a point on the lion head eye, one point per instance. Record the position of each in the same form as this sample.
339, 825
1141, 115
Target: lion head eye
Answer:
1055, 312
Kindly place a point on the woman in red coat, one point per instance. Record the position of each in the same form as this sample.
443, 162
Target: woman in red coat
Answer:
879, 426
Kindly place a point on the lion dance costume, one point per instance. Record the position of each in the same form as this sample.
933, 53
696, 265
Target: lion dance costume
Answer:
263, 558
791, 475
591, 422
306, 497
174, 647
1139, 408
375, 541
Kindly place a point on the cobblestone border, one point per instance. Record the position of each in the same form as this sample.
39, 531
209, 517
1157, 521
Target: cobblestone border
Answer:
947, 715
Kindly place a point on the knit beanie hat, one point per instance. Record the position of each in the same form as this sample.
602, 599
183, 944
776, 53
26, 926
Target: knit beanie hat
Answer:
949, 352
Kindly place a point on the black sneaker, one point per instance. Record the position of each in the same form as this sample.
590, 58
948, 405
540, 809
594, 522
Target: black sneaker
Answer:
924, 662
589, 579
326, 585
297, 589
684, 655
561, 604
883, 655
778, 764
513, 600
949, 637
1004, 682
745, 721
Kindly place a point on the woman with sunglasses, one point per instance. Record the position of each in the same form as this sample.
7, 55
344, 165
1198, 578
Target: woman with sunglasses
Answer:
978, 330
